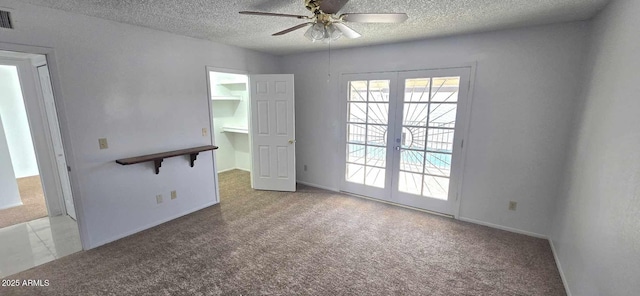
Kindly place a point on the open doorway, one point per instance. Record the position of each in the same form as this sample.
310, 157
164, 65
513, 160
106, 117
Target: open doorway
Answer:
37, 215
230, 115
23, 197
253, 124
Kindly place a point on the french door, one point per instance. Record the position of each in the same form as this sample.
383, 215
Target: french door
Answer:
404, 136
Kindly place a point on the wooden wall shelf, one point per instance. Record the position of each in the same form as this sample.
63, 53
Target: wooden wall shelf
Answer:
157, 158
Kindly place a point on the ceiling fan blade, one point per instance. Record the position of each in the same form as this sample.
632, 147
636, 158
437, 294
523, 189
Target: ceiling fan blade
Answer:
346, 31
300, 26
332, 6
267, 5
374, 17
274, 14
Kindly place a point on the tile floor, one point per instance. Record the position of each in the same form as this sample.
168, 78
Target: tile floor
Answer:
32, 243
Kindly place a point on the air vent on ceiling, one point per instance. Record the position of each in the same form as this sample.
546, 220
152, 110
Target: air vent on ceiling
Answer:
5, 20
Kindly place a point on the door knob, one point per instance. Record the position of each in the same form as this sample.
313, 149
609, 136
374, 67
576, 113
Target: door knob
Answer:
292, 141
397, 148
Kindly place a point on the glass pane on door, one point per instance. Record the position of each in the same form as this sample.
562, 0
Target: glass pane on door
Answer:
367, 127
428, 125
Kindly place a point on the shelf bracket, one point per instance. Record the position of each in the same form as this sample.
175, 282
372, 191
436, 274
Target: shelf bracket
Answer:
158, 163
193, 157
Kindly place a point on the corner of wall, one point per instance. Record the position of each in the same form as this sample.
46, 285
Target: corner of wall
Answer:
563, 277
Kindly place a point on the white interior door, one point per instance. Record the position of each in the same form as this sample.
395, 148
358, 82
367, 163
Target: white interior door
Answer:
404, 135
273, 132
54, 128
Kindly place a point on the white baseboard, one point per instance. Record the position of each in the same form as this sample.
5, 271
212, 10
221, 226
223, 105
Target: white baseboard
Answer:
222, 171
505, 228
11, 205
474, 221
562, 276
150, 225
317, 186
396, 204
231, 169
533, 234
20, 177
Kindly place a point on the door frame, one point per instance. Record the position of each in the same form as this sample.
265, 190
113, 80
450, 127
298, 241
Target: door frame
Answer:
472, 66
209, 69
40, 135
63, 121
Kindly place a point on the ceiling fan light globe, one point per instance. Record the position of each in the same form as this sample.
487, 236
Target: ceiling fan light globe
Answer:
327, 33
308, 34
334, 33
317, 32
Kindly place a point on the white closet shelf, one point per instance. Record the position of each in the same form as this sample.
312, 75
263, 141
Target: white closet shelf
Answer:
235, 129
225, 98
231, 82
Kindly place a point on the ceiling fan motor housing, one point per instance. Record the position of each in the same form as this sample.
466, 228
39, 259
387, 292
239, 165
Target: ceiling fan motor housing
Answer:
313, 6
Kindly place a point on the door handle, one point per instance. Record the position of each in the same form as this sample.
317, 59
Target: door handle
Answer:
291, 141
397, 148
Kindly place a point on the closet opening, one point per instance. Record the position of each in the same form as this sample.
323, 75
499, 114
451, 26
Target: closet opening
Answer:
229, 95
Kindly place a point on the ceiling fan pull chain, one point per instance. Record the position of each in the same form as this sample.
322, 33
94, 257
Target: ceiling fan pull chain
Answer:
329, 70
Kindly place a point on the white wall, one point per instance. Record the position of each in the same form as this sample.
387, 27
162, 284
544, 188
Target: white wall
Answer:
146, 92
525, 90
243, 156
596, 230
10, 196
225, 155
241, 119
16, 123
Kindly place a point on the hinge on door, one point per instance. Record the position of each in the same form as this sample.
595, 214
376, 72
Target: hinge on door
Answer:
68, 168
462, 144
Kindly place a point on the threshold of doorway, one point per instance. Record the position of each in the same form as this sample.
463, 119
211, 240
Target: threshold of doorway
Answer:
398, 205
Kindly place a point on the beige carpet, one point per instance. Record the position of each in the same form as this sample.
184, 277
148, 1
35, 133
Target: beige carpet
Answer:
33, 204
312, 242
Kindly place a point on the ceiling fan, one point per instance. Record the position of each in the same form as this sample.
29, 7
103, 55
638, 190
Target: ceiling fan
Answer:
326, 25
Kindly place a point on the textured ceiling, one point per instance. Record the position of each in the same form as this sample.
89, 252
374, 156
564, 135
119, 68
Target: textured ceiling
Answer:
219, 20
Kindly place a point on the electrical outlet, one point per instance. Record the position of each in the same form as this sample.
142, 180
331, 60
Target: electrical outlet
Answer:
159, 198
102, 143
305, 167
204, 131
174, 194
512, 205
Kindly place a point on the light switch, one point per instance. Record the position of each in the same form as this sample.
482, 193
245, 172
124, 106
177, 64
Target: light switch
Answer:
102, 142
204, 131
174, 194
